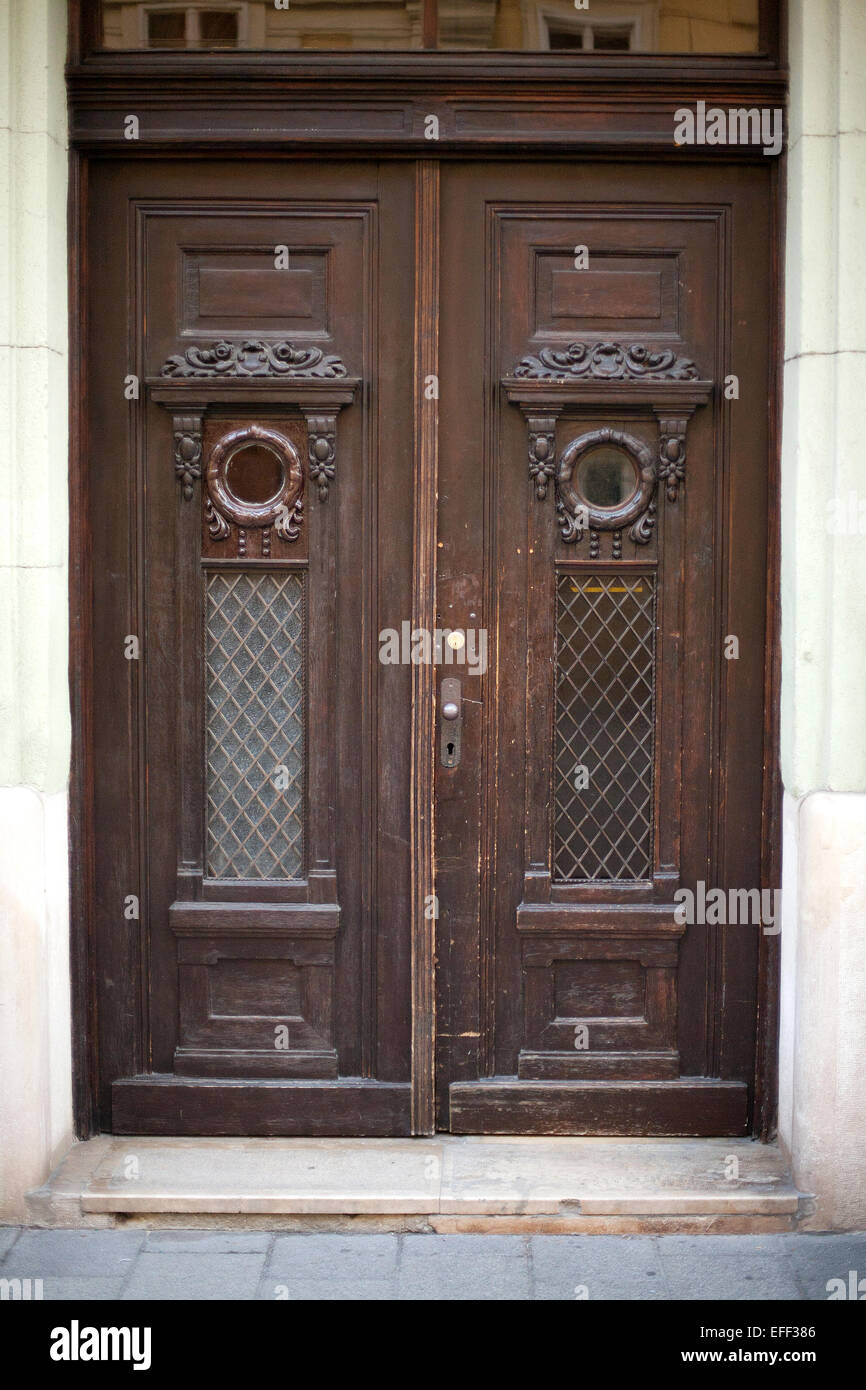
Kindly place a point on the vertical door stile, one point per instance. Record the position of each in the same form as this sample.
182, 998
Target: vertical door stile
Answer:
426, 463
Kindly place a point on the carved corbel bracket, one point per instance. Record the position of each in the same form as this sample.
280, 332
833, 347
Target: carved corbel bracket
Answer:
542, 450
672, 449
322, 448
259, 377
187, 449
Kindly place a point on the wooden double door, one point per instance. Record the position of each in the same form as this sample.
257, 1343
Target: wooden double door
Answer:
425, 501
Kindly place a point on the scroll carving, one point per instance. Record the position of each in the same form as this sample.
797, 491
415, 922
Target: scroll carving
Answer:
608, 378
216, 522
255, 357
607, 362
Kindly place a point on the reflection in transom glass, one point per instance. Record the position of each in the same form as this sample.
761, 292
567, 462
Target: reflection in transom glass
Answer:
300, 24
602, 26
559, 26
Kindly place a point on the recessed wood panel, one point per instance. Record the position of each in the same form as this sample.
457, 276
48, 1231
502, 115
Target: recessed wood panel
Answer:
599, 989
261, 989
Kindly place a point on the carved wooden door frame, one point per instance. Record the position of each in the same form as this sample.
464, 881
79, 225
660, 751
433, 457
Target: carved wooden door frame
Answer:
503, 106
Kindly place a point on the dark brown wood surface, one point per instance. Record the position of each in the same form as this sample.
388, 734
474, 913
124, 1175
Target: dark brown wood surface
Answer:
518, 950
193, 988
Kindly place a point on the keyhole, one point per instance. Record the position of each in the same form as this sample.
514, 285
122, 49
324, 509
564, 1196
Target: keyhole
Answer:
451, 750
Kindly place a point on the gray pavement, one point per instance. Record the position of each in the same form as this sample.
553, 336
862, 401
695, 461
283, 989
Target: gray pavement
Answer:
245, 1265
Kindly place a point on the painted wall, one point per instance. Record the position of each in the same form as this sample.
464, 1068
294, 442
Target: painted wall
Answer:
823, 1028
35, 1087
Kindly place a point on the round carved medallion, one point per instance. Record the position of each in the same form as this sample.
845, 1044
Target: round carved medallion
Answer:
255, 479
607, 478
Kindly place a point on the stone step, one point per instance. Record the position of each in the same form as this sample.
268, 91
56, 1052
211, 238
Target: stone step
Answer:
443, 1183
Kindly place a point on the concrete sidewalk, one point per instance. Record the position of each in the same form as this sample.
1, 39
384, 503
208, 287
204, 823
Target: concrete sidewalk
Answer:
137, 1263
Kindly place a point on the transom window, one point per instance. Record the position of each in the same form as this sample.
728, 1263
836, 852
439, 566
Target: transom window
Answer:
537, 26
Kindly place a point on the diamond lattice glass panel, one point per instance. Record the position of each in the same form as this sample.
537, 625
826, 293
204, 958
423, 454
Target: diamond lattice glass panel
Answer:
605, 664
255, 725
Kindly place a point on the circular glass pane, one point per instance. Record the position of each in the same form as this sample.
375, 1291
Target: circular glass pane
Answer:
606, 477
254, 474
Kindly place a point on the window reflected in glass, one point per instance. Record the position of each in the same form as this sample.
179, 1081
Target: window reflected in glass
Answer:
602, 26
538, 26
379, 25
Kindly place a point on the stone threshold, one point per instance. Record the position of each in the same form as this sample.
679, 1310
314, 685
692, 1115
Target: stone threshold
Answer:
444, 1183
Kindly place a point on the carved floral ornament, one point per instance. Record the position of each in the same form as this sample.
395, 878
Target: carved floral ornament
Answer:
254, 375
254, 357
597, 376
607, 362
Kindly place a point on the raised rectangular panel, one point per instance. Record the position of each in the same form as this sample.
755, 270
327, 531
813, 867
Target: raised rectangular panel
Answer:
578, 294
238, 294
633, 294
240, 290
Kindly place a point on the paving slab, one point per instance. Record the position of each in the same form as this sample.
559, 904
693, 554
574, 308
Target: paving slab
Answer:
335, 1291
593, 1267
88, 1254
730, 1279
327, 1267
819, 1259
325, 1257
464, 1267
82, 1290
195, 1277
8, 1237
182, 1242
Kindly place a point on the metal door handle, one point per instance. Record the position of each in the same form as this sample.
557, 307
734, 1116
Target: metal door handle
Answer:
450, 722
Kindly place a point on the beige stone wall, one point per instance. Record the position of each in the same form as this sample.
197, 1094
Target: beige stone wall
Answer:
35, 1085
823, 1027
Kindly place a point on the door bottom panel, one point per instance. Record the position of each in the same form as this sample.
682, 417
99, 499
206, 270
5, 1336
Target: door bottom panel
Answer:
694, 1106
172, 1105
